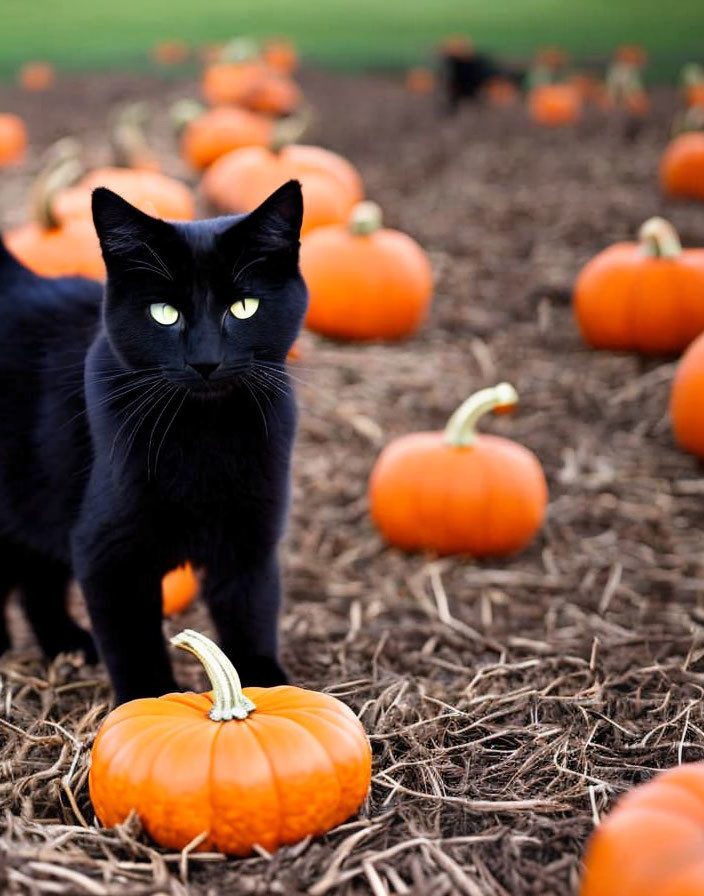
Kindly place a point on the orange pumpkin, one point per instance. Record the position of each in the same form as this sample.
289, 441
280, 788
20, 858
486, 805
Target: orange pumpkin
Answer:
554, 104
259, 766
13, 139
252, 84
170, 52
644, 296
501, 92
652, 844
241, 180
692, 79
71, 249
457, 492
365, 281
221, 129
682, 166
686, 410
36, 76
420, 79
150, 191
280, 54
179, 588
695, 94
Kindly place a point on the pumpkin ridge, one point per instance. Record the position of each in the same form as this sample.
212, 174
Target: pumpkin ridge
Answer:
211, 772
274, 778
335, 722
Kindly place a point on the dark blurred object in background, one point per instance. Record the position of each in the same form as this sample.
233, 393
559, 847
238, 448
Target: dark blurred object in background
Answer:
464, 72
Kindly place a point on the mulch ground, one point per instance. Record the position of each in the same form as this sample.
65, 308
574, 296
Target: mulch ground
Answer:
508, 702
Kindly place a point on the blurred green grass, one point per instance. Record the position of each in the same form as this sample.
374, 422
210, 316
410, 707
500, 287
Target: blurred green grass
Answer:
78, 34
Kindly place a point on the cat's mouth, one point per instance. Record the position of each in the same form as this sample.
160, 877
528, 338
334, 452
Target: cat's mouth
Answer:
212, 381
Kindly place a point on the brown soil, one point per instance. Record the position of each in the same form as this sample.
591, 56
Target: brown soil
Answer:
508, 702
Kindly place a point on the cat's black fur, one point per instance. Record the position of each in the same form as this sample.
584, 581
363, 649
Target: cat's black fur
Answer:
127, 446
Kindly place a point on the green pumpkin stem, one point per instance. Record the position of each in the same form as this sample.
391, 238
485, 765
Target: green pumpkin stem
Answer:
461, 427
659, 239
365, 218
229, 702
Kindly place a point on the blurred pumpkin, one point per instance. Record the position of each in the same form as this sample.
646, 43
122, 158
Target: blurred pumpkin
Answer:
220, 129
179, 588
692, 79
51, 247
682, 166
150, 191
457, 491
420, 79
365, 281
501, 92
13, 139
686, 406
36, 76
251, 84
253, 767
242, 179
170, 52
644, 296
652, 843
554, 104
280, 54
631, 54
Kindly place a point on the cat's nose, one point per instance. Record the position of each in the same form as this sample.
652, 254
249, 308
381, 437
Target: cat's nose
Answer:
204, 370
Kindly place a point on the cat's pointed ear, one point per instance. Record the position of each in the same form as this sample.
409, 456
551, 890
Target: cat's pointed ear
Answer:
275, 225
121, 227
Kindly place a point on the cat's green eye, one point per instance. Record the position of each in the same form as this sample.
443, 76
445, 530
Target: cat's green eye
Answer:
244, 308
164, 314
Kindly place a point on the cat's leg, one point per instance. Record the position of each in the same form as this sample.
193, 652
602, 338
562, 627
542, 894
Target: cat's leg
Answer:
8, 581
114, 560
243, 598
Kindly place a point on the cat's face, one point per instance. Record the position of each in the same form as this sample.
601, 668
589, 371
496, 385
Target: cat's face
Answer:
202, 302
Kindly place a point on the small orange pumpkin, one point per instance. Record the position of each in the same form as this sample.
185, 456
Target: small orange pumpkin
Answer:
241, 179
652, 843
644, 296
221, 129
36, 76
501, 92
252, 84
458, 492
365, 281
686, 408
554, 105
179, 588
170, 52
13, 139
280, 54
253, 767
420, 79
682, 166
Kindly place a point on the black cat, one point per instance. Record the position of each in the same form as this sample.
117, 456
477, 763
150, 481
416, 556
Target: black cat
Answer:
148, 426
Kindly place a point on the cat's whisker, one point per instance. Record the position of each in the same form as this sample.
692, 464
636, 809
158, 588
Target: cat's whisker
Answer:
172, 392
246, 267
151, 404
251, 391
166, 431
140, 402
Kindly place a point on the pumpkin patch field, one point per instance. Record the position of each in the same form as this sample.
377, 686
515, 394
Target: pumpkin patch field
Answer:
510, 694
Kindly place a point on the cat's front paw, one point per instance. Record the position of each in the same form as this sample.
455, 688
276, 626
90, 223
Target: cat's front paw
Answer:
72, 639
261, 671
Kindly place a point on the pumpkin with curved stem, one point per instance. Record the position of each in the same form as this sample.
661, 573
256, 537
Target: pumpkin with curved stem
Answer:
221, 129
652, 843
365, 281
13, 139
686, 408
457, 491
682, 166
241, 179
554, 104
54, 248
179, 588
643, 296
246, 767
